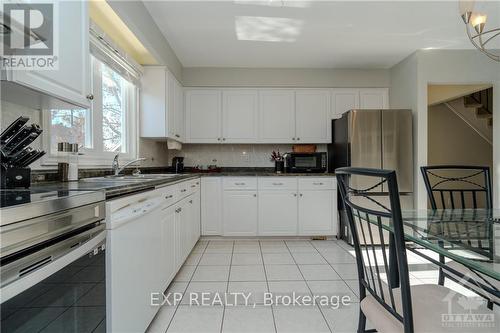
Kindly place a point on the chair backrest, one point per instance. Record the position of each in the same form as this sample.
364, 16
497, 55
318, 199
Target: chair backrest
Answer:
458, 186
377, 229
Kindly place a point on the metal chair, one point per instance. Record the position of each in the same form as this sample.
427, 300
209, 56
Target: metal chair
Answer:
462, 187
386, 298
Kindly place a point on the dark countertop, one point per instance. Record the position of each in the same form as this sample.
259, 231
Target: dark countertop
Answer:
262, 174
116, 188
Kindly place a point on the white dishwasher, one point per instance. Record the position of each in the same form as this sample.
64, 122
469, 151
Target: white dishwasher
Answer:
132, 270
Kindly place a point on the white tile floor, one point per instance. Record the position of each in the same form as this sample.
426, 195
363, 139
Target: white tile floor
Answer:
277, 266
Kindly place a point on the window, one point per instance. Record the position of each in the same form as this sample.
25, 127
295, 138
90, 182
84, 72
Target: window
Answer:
113, 110
107, 128
70, 125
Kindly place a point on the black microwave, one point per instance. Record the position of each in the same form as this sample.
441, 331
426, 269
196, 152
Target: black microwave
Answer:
305, 162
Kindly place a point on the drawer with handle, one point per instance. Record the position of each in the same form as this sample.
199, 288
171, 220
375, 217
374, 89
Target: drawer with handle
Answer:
183, 189
317, 183
193, 185
239, 183
277, 183
170, 194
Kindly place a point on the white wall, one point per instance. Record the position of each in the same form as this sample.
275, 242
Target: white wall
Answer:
135, 15
284, 77
403, 95
409, 86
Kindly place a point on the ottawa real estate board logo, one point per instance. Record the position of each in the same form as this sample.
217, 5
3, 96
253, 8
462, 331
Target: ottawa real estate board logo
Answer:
29, 38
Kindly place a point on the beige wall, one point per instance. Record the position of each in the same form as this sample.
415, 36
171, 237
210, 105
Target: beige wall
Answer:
410, 80
437, 94
452, 141
137, 18
284, 77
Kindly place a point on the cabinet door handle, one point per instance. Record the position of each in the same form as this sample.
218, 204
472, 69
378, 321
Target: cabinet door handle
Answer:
169, 196
190, 201
293, 139
300, 194
183, 190
178, 210
223, 139
277, 183
218, 139
317, 183
177, 136
90, 97
193, 185
298, 139
255, 195
239, 183
295, 194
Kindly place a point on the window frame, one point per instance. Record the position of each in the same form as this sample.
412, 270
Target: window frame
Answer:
95, 156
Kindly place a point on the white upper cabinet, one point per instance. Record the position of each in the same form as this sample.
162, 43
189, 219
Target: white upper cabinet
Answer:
179, 125
277, 116
240, 112
162, 111
374, 98
344, 100
233, 115
71, 81
203, 115
312, 114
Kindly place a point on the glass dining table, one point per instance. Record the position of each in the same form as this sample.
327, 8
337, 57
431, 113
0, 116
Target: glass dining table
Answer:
470, 237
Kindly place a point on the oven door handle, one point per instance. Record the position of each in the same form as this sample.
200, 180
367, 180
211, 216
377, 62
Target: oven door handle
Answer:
44, 272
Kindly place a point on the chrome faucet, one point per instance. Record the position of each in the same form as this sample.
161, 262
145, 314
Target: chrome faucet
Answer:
116, 166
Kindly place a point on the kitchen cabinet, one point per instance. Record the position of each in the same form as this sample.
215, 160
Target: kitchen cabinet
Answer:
168, 263
374, 98
269, 206
240, 213
162, 111
277, 212
203, 115
71, 80
312, 112
344, 100
240, 116
276, 116
211, 206
316, 212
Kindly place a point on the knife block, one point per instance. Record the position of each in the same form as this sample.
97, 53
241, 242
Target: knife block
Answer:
15, 178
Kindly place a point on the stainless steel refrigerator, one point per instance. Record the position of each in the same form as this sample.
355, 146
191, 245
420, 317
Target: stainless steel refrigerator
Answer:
381, 139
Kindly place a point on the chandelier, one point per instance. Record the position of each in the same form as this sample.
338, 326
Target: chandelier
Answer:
475, 23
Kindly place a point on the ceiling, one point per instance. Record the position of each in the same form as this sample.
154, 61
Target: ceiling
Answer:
309, 34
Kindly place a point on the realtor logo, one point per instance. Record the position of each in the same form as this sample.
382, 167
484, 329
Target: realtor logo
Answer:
29, 36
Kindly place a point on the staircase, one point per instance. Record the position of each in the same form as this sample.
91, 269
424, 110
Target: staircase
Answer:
476, 110
482, 102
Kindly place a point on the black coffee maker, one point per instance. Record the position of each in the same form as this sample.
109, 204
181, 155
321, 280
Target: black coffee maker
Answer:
178, 164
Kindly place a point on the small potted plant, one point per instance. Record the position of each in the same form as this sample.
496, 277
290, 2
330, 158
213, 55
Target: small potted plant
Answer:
279, 163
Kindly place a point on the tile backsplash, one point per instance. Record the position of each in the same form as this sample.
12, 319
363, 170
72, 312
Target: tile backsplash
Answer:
231, 155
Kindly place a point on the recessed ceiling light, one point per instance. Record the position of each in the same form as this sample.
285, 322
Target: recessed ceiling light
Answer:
267, 29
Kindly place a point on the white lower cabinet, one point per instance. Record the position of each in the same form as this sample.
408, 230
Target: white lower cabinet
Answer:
239, 213
277, 212
168, 265
269, 206
316, 212
211, 206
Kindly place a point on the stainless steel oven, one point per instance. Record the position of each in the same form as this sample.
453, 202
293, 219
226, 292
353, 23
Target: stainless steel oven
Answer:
305, 162
52, 261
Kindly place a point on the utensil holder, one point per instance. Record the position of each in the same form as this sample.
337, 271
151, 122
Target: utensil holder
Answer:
279, 166
15, 178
